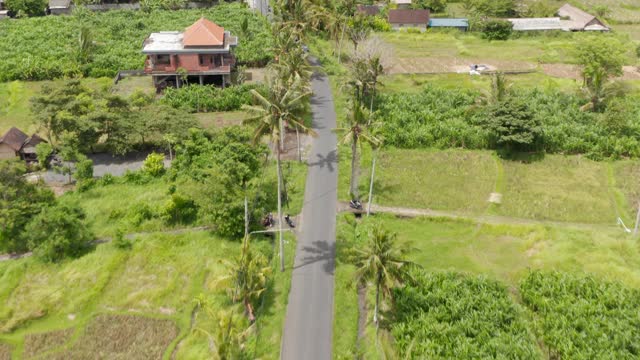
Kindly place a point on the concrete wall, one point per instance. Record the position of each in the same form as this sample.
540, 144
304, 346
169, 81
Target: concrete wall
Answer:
422, 27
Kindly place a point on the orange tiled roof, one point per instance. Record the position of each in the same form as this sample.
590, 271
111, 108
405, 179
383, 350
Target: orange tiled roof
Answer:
203, 33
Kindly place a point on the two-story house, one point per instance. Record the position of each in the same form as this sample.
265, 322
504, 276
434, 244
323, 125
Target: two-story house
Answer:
201, 54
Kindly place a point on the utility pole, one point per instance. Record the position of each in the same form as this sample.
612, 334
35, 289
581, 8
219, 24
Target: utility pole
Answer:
635, 229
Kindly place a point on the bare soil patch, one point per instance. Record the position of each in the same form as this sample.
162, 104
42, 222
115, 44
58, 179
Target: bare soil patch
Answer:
5, 352
568, 71
36, 344
123, 337
431, 65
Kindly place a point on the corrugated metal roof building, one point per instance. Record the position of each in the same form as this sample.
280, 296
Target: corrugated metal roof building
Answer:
536, 24
462, 24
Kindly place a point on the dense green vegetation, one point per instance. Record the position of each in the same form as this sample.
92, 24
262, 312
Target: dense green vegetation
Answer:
443, 118
209, 98
47, 47
449, 315
583, 318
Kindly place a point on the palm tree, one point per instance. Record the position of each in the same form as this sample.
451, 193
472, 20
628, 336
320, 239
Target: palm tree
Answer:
228, 339
381, 261
283, 104
246, 278
356, 133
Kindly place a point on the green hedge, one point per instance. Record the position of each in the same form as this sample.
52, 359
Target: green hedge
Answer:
207, 98
45, 48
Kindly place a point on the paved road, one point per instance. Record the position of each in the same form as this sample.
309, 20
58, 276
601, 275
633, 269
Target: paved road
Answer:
309, 321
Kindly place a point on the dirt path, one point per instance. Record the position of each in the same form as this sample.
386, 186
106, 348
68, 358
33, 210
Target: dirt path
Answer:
484, 219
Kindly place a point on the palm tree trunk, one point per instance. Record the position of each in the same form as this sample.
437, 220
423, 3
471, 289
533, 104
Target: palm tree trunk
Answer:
375, 311
354, 168
298, 140
246, 215
373, 94
281, 135
373, 173
340, 47
281, 241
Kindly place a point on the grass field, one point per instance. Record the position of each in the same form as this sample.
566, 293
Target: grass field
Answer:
554, 188
127, 303
214, 120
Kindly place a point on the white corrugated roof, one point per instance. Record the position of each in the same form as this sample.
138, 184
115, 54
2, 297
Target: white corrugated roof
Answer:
164, 41
402, 2
536, 24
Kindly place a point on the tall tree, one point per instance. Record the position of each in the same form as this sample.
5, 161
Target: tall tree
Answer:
381, 261
19, 202
284, 104
246, 278
601, 58
355, 133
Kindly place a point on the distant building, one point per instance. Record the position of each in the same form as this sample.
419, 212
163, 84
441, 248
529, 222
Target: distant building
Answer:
399, 19
579, 20
59, 7
570, 19
16, 144
460, 24
203, 50
536, 24
368, 10
4, 13
402, 4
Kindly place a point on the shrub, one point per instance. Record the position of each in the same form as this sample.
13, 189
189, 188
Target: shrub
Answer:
58, 232
638, 51
139, 213
497, 29
513, 127
120, 241
154, 164
24, 8
44, 151
179, 209
207, 98
106, 179
84, 169
136, 177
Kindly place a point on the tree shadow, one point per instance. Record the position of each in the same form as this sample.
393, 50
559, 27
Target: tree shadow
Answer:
328, 160
523, 157
320, 251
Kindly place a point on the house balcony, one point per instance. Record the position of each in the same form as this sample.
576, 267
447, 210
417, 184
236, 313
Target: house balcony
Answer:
192, 69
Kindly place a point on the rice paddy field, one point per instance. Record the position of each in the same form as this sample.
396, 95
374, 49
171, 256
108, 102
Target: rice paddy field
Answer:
129, 304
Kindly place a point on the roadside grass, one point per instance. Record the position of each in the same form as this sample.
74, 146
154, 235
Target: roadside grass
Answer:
558, 188
214, 120
508, 251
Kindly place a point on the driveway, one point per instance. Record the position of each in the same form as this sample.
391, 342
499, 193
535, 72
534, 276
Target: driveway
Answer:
309, 319
106, 164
